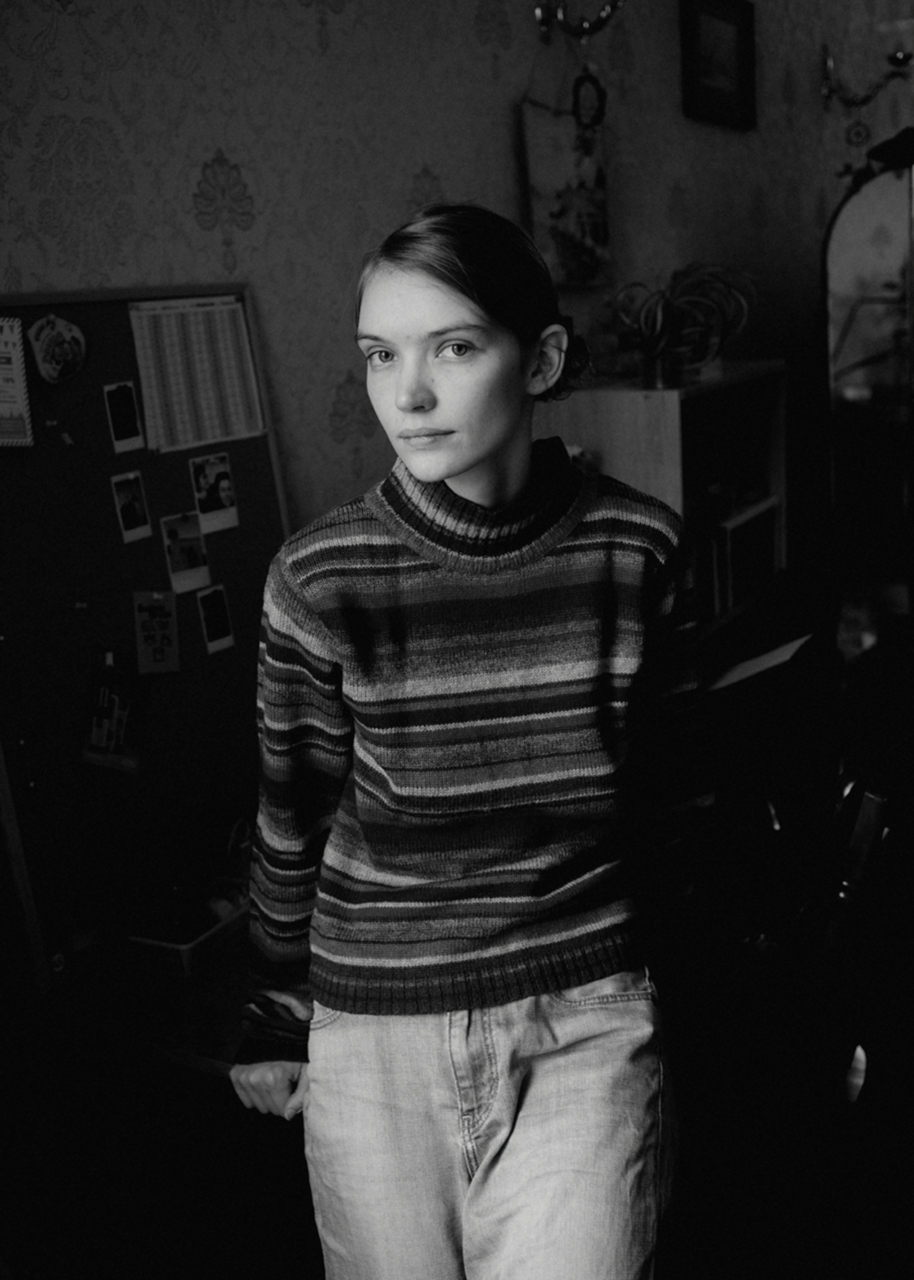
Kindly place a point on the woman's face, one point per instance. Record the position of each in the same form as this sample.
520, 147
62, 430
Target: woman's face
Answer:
451, 389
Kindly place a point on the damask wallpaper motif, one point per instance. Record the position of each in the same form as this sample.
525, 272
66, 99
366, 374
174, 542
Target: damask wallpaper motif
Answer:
274, 141
323, 7
82, 187
222, 201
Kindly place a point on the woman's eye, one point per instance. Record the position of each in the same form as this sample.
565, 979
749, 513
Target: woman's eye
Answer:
458, 349
376, 359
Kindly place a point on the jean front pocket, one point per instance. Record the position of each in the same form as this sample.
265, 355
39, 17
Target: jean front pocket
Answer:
323, 1017
634, 984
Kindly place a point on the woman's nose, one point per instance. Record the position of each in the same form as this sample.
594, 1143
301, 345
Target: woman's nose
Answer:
414, 389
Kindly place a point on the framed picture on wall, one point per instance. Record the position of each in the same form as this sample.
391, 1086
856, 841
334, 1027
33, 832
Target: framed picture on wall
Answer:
717, 43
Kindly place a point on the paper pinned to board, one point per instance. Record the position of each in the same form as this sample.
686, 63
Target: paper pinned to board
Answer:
196, 371
15, 419
156, 623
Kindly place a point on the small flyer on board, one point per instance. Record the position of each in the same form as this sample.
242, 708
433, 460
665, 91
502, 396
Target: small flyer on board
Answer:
156, 623
15, 420
185, 550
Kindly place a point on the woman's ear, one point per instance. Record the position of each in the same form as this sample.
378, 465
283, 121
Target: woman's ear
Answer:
547, 360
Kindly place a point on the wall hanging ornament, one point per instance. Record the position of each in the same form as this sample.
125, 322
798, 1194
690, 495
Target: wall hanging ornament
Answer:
834, 89
564, 151
566, 172
567, 181
557, 13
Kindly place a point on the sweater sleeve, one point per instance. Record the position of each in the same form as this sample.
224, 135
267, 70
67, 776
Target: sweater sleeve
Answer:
305, 737
670, 783
671, 634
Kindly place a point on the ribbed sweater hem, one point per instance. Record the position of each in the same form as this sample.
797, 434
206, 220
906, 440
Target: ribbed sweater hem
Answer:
479, 985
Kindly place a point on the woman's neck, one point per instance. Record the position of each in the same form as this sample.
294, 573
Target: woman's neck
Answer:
499, 478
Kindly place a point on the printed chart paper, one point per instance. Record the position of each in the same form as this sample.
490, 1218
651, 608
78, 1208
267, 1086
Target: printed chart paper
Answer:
196, 371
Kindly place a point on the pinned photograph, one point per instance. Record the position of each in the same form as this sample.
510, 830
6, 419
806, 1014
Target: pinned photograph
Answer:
214, 616
214, 491
124, 417
185, 551
156, 623
130, 500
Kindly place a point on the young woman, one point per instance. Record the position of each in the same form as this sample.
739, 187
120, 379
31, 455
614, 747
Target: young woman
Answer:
455, 672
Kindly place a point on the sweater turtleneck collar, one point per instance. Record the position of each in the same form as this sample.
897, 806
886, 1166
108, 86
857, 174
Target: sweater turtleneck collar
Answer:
465, 537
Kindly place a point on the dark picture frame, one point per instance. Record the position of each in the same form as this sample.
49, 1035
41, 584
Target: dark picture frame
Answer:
717, 44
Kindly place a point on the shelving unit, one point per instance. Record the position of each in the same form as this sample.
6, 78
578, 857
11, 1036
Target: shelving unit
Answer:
715, 451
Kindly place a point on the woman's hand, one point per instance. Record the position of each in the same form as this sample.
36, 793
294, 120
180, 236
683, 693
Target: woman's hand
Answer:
273, 1088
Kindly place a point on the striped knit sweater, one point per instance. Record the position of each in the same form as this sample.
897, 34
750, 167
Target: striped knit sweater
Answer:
448, 698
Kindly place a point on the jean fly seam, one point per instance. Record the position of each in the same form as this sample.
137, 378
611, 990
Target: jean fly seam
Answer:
470, 1127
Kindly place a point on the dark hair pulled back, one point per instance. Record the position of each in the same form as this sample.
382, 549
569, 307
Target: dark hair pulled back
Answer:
493, 263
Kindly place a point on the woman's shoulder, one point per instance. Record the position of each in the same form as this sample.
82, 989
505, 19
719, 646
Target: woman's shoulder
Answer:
339, 541
613, 497
332, 524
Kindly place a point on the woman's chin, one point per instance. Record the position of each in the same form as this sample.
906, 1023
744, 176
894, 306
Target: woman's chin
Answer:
426, 466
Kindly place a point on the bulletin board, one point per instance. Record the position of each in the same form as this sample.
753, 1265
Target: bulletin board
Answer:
139, 510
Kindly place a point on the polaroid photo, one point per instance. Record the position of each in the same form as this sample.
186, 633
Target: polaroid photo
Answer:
132, 511
185, 551
214, 491
124, 417
214, 617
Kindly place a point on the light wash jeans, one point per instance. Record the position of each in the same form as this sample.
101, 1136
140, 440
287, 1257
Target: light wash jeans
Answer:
529, 1141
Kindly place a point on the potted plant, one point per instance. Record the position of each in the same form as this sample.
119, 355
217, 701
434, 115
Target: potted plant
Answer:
676, 329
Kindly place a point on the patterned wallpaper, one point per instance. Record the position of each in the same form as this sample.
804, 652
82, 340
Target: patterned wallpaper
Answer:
175, 142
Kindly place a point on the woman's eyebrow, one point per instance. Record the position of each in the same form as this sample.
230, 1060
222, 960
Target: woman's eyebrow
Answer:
469, 327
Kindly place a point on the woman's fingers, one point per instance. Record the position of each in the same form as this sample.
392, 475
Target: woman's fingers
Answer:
299, 1099
268, 1086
